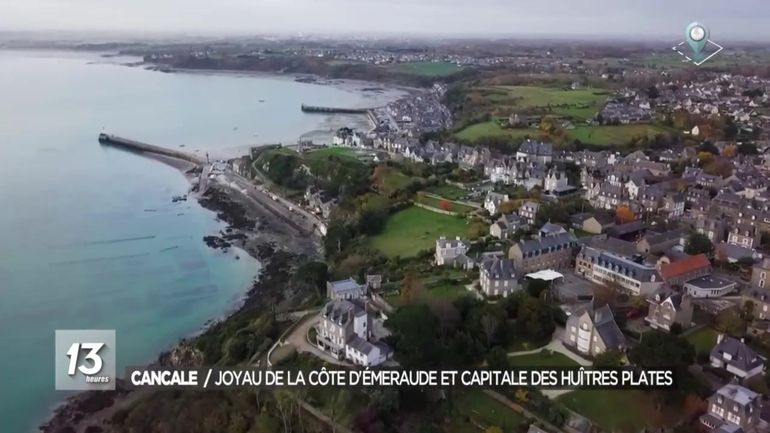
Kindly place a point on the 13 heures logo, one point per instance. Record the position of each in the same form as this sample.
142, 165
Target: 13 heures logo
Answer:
85, 360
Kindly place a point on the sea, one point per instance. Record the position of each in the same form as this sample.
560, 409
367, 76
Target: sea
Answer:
89, 236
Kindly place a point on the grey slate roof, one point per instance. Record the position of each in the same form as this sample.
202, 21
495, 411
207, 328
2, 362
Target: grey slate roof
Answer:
339, 311
551, 229
545, 244
668, 236
613, 245
444, 243
343, 285
499, 269
741, 356
533, 147
605, 325
619, 264
736, 393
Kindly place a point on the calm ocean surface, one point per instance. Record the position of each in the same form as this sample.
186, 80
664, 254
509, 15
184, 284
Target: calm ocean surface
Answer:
89, 238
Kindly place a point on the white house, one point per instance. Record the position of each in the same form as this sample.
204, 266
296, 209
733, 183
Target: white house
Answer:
452, 252
344, 329
493, 201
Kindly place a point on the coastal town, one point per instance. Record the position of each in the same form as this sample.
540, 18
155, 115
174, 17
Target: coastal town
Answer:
592, 214
662, 242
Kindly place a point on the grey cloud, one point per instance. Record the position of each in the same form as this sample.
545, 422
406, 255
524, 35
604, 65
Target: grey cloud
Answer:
737, 19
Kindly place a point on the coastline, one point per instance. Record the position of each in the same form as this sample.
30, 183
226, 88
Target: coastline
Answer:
258, 234
367, 87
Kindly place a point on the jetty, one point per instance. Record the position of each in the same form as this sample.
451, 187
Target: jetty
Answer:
341, 110
138, 146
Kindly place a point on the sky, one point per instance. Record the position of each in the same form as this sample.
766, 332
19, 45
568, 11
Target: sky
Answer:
654, 19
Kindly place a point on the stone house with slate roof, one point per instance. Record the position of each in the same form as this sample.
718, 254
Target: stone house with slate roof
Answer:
546, 252
656, 243
493, 201
506, 226
667, 309
344, 289
535, 151
606, 268
497, 277
592, 330
452, 252
345, 331
733, 409
736, 357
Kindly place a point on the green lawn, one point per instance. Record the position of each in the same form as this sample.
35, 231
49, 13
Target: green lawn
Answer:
580, 104
613, 135
438, 285
445, 292
492, 128
443, 205
341, 152
473, 407
703, 339
449, 191
413, 229
612, 410
542, 359
395, 180
428, 69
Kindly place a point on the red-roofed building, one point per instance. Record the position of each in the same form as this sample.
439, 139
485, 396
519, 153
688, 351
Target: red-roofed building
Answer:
688, 268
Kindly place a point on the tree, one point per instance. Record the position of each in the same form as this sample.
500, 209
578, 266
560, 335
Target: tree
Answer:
609, 358
497, 359
729, 151
536, 286
380, 175
661, 349
730, 322
748, 149
705, 157
624, 214
698, 243
414, 337
411, 288
508, 207
535, 320
313, 275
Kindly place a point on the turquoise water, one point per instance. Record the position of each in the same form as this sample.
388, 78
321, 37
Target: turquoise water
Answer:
89, 237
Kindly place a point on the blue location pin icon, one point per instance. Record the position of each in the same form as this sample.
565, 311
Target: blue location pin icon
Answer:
697, 38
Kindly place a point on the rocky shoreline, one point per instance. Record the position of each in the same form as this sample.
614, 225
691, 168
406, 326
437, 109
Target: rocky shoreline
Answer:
257, 232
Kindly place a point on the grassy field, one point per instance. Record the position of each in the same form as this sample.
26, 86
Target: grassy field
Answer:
443, 291
473, 408
413, 229
612, 410
703, 339
395, 180
449, 191
437, 203
542, 359
340, 152
428, 69
492, 128
613, 135
598, 135
580, 104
